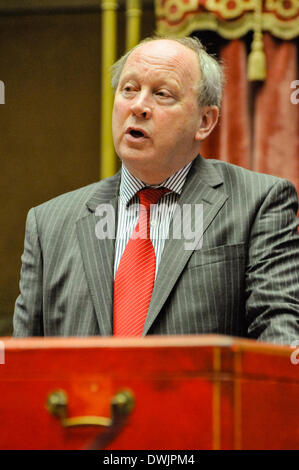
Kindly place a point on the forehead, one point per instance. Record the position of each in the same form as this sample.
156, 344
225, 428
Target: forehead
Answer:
165, 56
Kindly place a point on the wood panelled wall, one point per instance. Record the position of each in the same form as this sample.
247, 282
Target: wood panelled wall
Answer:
50, 63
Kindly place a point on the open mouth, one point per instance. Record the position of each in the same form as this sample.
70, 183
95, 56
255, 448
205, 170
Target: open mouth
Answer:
137, 133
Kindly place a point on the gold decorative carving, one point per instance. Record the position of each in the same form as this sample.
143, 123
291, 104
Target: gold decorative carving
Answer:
257, 69
181, 17
230, 8
283, 8
176, 9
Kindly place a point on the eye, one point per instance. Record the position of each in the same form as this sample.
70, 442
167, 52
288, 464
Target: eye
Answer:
164, 95
128, 89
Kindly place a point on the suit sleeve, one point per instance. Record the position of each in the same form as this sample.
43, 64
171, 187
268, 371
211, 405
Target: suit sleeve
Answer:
27, 320
272, 275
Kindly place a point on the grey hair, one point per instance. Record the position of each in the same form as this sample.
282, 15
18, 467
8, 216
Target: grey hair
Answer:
212, 75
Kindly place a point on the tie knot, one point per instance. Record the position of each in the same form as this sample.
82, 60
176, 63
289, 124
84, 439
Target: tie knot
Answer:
150, 196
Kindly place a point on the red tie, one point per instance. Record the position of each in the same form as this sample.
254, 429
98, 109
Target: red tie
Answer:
135, 276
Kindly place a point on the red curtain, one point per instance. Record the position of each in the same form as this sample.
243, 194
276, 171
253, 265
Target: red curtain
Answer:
258, 127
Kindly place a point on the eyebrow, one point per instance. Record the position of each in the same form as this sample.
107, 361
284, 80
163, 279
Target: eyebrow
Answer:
159, 81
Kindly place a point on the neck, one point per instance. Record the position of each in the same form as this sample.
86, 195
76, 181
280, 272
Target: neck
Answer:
150, 180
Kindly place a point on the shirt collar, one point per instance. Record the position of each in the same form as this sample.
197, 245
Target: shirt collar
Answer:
130, 185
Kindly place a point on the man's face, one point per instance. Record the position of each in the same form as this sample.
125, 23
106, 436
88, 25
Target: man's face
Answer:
156, 114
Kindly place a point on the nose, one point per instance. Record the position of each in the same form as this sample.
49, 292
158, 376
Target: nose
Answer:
141, 107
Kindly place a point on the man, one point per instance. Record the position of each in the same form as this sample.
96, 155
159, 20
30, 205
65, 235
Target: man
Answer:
240, 277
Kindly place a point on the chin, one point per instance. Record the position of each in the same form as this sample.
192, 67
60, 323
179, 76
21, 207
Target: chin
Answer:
140, 158
140, 167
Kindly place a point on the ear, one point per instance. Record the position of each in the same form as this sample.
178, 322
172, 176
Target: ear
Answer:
207, 121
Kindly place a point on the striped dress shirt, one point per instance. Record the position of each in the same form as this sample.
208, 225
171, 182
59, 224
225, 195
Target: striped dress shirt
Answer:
160, 215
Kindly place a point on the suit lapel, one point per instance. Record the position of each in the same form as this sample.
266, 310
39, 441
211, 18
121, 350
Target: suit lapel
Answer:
98, 254
200, 188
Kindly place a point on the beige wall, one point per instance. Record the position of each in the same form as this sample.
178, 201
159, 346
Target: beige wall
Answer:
49, 124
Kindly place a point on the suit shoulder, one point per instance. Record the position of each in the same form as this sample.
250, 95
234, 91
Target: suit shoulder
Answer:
74, 203
234, 174
60, 214
70, 198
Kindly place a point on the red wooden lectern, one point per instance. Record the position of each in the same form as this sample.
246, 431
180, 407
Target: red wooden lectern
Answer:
179, 392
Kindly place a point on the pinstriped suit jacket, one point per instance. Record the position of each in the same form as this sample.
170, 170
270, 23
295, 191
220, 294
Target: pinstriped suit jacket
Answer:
244, 281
